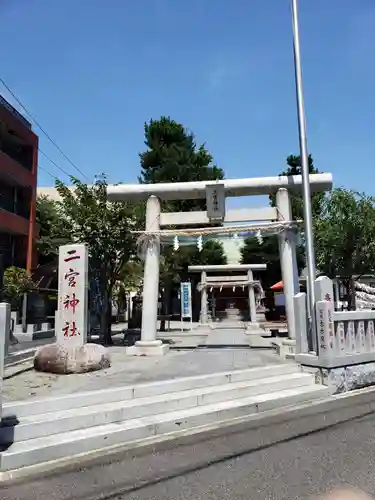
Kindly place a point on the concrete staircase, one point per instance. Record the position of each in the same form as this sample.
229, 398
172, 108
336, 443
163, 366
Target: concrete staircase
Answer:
35, 433
231, 318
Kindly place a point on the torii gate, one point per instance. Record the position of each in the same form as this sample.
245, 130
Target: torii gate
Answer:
153, 193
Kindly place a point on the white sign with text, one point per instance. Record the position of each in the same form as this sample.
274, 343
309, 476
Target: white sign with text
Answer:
71, 317
186, 310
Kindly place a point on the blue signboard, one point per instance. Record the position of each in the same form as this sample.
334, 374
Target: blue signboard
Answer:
186, 300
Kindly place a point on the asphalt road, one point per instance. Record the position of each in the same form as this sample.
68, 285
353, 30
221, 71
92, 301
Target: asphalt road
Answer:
300, 468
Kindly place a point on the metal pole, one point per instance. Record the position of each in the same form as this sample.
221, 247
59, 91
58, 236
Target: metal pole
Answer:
309, 238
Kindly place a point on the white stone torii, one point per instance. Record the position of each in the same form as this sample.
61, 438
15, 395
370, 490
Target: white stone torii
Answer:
153, 193
247, 280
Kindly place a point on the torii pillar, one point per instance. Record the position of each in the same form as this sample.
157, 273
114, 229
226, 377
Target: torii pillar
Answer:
149, 345
288, 259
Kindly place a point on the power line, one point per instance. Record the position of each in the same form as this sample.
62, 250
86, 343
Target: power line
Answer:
47, 172
42, 129
54, 163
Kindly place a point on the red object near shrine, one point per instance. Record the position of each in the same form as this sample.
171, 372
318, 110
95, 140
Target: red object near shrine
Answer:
278, 286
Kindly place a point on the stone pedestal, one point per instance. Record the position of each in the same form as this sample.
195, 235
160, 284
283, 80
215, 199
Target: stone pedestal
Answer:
148, 348
253, 326
287, 348
66, 359
349, 378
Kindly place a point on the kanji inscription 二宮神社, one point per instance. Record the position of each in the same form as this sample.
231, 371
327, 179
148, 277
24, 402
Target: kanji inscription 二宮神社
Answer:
71, 316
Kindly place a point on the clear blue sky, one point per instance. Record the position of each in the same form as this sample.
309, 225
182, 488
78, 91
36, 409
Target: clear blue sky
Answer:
94, 71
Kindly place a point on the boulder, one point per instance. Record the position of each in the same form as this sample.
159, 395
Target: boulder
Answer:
62, 359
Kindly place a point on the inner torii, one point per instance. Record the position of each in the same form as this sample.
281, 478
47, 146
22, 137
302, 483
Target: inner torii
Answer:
243, 280
215, 193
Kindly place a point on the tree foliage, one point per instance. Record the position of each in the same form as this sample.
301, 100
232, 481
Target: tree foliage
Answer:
106, 228
17, 282
174, 264
345, 237
172, 155
54, 231
268, 253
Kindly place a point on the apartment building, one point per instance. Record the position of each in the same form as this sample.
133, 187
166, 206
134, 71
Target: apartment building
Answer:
18, 181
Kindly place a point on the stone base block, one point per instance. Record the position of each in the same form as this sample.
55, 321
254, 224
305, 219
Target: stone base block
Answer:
24, 337
257, 333
348, 378
31, 328
287, 347
15, 316
342, 378
253, 325
18, 329
144, 348
258, 342
37, 335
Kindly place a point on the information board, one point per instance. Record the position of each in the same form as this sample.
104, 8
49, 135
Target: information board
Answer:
186, 311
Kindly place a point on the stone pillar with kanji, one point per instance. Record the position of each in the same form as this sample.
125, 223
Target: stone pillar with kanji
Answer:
72, 309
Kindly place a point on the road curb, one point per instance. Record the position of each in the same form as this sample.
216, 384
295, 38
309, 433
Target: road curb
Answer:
287, 423
19, 357
18, 368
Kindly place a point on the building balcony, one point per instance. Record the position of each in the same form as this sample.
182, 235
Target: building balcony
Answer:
13, 223
14, 174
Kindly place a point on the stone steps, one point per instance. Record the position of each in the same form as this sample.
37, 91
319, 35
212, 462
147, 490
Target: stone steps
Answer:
93, 422
46, 424
54, 447
30, 407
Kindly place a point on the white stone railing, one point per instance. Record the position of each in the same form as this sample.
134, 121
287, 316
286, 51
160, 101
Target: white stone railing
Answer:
344, 337
354, 332
343, 351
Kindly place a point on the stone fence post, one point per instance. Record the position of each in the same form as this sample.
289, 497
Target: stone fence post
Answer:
300, 309
4, 342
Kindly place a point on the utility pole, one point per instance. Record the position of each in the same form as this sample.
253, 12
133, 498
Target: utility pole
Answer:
309, 237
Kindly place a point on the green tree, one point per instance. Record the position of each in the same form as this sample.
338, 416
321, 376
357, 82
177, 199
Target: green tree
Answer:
131, 275
129, 280
106, 228
17, 282
212, 253
172, 155
294, 168
345, 237
175, 263
268, 253
54, 230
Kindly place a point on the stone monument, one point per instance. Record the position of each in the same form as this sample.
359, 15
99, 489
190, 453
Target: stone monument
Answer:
71, 353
